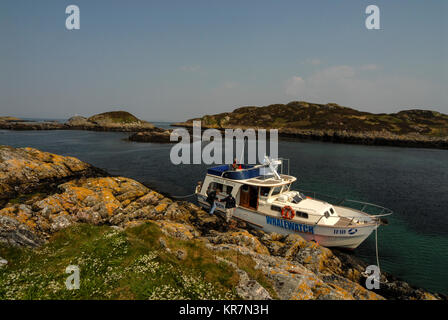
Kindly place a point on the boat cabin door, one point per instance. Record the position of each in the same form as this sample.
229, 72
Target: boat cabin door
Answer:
249, 197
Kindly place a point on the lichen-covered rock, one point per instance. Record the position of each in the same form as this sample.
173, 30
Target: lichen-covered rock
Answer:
14, 233
241, 238
292, 280
103, 200
313, 256
177, 230
26, 170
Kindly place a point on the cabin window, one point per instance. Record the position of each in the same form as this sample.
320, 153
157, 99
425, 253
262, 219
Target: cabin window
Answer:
276, 208
276, 190
331, 210
326, 214
264, 191
216, 186
302, 214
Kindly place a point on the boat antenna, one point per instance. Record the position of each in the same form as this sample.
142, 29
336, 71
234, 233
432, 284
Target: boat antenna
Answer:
272, 167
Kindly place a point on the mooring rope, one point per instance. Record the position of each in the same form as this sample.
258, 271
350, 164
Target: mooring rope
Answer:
376, 249
181, 197
377, 257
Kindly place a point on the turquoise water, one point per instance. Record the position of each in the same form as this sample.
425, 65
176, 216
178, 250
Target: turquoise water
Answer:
411, 182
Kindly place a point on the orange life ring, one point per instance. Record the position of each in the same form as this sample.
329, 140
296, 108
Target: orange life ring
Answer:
288, 213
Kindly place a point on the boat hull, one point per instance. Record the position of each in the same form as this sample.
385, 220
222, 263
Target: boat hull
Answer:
349, 237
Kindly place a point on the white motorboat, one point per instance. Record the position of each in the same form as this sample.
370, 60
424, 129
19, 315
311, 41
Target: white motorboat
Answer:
265, 200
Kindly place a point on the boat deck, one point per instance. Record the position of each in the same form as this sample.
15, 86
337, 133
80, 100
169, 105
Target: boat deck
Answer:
343, 222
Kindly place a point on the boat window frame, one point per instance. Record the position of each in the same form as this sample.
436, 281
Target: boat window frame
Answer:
213, 185
271, 194
267, 194
302, 214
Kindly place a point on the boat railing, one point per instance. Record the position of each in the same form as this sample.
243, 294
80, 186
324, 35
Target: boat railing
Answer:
320, 216
372, 210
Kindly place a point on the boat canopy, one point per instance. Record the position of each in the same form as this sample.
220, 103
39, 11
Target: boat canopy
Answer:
225, 171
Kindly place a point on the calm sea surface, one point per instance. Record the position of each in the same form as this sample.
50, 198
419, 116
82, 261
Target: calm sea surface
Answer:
411, 182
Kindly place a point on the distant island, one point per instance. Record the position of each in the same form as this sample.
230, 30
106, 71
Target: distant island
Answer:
107, 121
335, 123
120, 121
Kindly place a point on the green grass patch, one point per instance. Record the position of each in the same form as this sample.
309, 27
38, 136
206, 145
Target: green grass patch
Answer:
129, 264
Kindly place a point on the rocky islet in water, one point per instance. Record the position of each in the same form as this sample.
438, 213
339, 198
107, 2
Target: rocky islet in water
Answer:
118, 121
109, 121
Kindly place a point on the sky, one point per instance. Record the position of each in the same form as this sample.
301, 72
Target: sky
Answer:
175, 60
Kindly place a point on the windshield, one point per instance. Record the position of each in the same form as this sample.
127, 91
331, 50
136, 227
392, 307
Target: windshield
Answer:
276, 190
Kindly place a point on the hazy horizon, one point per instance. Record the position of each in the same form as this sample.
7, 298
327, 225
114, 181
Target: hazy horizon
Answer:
177, 60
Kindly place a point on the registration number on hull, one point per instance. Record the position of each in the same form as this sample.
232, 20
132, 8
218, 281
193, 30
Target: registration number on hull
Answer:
350, 231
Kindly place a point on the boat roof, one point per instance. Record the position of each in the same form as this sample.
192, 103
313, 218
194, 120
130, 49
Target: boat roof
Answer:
251, 175
262, 181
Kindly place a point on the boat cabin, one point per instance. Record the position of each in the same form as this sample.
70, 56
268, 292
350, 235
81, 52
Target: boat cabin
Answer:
248, 185
256, 189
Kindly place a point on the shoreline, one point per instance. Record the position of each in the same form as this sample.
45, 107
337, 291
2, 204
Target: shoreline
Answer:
346, 137
47, 125
159, 135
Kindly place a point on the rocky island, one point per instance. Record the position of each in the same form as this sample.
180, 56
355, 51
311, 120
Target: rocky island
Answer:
121, 121
108, 121
334, 123
131, 242
157, 135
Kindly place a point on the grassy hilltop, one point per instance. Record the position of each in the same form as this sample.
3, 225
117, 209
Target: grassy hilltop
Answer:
115, 117
305, 115
332, 122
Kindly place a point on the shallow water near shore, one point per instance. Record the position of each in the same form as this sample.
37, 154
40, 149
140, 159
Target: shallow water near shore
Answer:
412, 182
